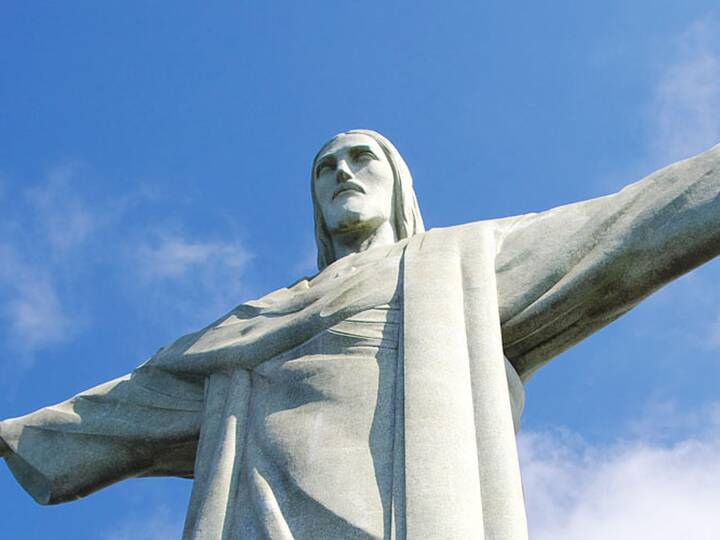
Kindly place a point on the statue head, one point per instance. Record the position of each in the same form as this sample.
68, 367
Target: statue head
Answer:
359, 180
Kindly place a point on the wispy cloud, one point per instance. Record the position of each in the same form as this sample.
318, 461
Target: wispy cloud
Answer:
42, 224
664, 421
59, 210
624, 491
31, 308
681, 112
684, 114
173, 257
63, 237
198, 278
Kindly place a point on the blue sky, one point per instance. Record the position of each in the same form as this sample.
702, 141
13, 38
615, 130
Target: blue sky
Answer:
154, 163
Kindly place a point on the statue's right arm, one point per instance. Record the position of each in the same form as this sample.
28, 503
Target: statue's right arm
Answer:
567, 272
144, 424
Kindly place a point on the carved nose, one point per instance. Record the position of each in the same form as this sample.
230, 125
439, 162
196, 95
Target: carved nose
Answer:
343, 174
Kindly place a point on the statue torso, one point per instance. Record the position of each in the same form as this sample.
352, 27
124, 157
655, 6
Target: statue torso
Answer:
319, 448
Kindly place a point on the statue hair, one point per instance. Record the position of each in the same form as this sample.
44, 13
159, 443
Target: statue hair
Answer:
407, 218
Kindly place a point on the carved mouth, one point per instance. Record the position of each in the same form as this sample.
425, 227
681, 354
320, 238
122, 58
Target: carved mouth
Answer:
349, 186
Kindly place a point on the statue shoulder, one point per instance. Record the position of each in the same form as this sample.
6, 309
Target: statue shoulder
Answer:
473, 228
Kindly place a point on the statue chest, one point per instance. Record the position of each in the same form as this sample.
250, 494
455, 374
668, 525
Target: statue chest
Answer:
322, 414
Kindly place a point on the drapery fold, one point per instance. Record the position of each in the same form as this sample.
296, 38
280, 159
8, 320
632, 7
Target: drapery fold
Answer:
456, 471
461, 465
218, 466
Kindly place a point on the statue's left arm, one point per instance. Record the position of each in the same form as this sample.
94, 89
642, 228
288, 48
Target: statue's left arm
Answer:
567, 272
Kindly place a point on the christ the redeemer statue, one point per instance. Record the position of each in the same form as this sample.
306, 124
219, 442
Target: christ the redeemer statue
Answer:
380, 398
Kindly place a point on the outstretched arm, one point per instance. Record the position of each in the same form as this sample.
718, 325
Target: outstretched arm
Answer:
144, 424
565, 273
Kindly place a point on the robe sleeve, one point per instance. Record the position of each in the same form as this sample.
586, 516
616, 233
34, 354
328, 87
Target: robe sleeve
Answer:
567, 272
144, 424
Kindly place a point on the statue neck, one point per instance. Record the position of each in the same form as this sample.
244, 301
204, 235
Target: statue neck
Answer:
359, 240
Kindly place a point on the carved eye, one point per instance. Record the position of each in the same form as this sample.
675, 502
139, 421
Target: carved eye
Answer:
364, 155
324, 167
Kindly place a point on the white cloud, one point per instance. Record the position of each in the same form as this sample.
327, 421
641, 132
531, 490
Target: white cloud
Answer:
663, 421
43, 222
173, 257
31, 307
61, 239
684, 117
624, 491
681, 116
36, 316
65, 219
197, 280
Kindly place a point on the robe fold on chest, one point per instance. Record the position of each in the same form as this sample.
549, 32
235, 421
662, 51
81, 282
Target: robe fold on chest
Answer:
451, 435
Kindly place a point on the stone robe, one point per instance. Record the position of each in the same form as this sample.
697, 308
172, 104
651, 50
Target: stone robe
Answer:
528, 287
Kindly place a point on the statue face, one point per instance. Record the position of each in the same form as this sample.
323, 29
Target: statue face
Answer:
353, 184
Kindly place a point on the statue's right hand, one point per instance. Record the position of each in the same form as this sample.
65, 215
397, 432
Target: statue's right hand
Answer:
4, 449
